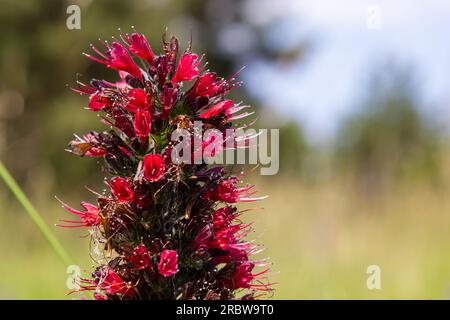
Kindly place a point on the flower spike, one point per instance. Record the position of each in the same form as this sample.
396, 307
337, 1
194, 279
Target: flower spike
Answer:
165, 229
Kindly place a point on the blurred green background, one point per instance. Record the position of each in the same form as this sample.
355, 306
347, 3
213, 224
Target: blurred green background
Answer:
374, 194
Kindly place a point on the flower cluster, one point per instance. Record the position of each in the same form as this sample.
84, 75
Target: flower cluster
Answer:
167, 230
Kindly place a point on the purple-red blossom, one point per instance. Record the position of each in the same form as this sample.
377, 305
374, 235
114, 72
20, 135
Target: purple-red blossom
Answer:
168, 263
140, 257
113, 284
97, 102
154, 167
156, 204
139, 46
142, 124
225, 237
242, 277
188, 68
223, 217
121, 190
116, 57
228, 191
137, 100
168, 98
90, 216
87, 145
223, 107
209, 85
121, 120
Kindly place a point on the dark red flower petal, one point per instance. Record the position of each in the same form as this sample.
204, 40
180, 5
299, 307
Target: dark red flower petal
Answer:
122, 190
142, 124
188, 68
154, 167
137, 100
140, 47
140, 257
168, 263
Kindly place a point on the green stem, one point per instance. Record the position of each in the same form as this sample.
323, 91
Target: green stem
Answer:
34, 215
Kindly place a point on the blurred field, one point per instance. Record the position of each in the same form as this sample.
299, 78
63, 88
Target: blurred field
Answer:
375, 193
323, 238
320, 238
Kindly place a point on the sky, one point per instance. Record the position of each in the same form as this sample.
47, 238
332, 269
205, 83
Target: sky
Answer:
349, 40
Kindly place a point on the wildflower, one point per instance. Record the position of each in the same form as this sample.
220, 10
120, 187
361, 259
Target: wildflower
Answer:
139, 46
160, 218
227, 191
225, 109
88, 146
116, 57
188, 68
142, 124
215, 110
122, 190
90, 216
113, 284
209, 85
137, 100
140, 257
122, 122
243, 277
97, 102
168, 99
153, 167
223, 217
168, 263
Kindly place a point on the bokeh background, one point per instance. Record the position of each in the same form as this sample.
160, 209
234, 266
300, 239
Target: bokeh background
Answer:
358, 89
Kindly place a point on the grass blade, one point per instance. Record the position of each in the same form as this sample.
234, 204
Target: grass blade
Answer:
34, 215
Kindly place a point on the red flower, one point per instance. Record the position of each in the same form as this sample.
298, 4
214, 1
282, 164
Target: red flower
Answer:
225, 237
140, 257
207, 85
90, 216
153, 167
87, 146
223, 217
139, 46
97, 102
243, 277
118, 58
122, 190
187, 68
221, 107
121, 122
168, 98
227, 109
228, 237
112, 284
137, 100
142, 124
155, 205
227, 191
168, 263
95, 152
